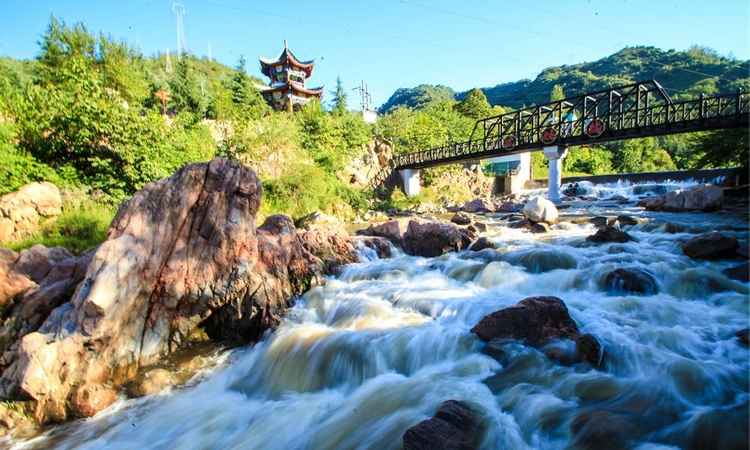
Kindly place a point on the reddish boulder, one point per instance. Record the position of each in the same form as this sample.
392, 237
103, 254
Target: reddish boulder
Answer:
461, 219
476, 206
432, 239
390, 230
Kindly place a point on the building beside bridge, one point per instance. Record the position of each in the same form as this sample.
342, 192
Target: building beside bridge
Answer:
288, 75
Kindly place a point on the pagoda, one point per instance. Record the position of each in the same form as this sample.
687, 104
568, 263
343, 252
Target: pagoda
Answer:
287, 89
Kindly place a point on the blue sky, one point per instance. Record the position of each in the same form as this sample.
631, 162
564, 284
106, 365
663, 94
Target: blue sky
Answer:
398, 43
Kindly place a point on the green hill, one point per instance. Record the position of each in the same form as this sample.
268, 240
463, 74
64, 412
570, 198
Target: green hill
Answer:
683, 73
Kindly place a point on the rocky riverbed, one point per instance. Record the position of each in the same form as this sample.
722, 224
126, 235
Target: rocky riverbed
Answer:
509, 324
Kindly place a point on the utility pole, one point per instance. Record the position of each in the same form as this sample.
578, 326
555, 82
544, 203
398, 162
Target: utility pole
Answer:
179, 12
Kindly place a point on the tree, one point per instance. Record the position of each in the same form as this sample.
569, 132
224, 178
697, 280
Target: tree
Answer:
723, 148
474, 105
640, 155
339, 98
245, 96
185, 90
557, 93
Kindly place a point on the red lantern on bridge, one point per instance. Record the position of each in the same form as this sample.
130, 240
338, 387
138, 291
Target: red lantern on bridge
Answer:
595, 128
509, 142
549, 135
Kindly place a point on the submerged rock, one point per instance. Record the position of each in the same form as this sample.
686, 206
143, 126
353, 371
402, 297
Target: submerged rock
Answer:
743, 336
481, 244
630, 281
739, 273
711, 245
461, 219
537, 321
434, 238
455, 426
542, 260
624, 220
183, 252
380, 245
539, 209
609, 234
602, 429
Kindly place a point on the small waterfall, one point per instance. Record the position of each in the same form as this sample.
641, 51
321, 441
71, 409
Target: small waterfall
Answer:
374, 351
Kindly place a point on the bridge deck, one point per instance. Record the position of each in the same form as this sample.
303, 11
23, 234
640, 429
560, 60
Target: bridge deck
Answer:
639, 110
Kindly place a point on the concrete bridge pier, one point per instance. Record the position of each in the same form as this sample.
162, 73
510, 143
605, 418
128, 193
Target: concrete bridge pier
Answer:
555, 155
411, 183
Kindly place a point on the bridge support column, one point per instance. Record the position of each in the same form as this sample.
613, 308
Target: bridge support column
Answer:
555, 155
410, 178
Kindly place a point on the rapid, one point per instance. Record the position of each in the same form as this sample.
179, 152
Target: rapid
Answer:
375, 350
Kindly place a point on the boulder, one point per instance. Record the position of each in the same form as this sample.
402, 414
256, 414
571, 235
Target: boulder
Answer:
22, 211
380, 245
609, 234
317, 219
711, 245
624, 220
539, 209
540, 227
461, 219
432, 239
455, 426
602, 221
481, 244
390, 230
534, 320
182, 253
706, 197
477, 205
537, 321
12, 283
739, 273
630, 281
37, 261
479, 226
509, 207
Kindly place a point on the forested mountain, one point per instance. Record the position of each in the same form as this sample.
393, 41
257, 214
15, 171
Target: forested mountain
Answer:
417, 97
683, 73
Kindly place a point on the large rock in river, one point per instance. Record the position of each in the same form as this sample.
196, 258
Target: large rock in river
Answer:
540, 209
537, 321
455, 426
711, 245
434, 238
390, 230
183, 252
698, 198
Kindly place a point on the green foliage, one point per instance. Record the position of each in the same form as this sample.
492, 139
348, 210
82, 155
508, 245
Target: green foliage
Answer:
417, 97
640, 155
723, 148
78, 228
590, 160
474, 105
557, 93
17, 167
186, 91
245, 97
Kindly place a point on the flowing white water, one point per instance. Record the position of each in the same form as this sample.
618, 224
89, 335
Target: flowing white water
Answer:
377, 349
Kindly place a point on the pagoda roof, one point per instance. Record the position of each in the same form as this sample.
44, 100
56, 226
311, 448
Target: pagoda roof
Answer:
296, 87
286, 56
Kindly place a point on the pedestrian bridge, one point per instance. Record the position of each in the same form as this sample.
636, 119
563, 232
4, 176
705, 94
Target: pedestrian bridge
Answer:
637, 110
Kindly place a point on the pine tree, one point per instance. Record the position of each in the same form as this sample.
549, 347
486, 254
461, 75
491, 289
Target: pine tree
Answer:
240, 83
185, 90
339, 98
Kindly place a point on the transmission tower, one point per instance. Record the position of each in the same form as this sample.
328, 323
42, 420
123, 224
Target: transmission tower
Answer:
179, 13
364, 96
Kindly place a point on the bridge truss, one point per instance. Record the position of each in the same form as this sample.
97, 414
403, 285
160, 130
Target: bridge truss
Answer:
633, 111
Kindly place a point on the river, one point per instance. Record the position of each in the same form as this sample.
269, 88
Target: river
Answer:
380, 346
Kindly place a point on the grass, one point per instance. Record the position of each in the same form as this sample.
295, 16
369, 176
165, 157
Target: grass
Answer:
79, 228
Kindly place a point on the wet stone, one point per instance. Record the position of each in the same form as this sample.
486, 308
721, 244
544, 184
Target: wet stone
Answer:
630, 281
609, 234
455, 426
